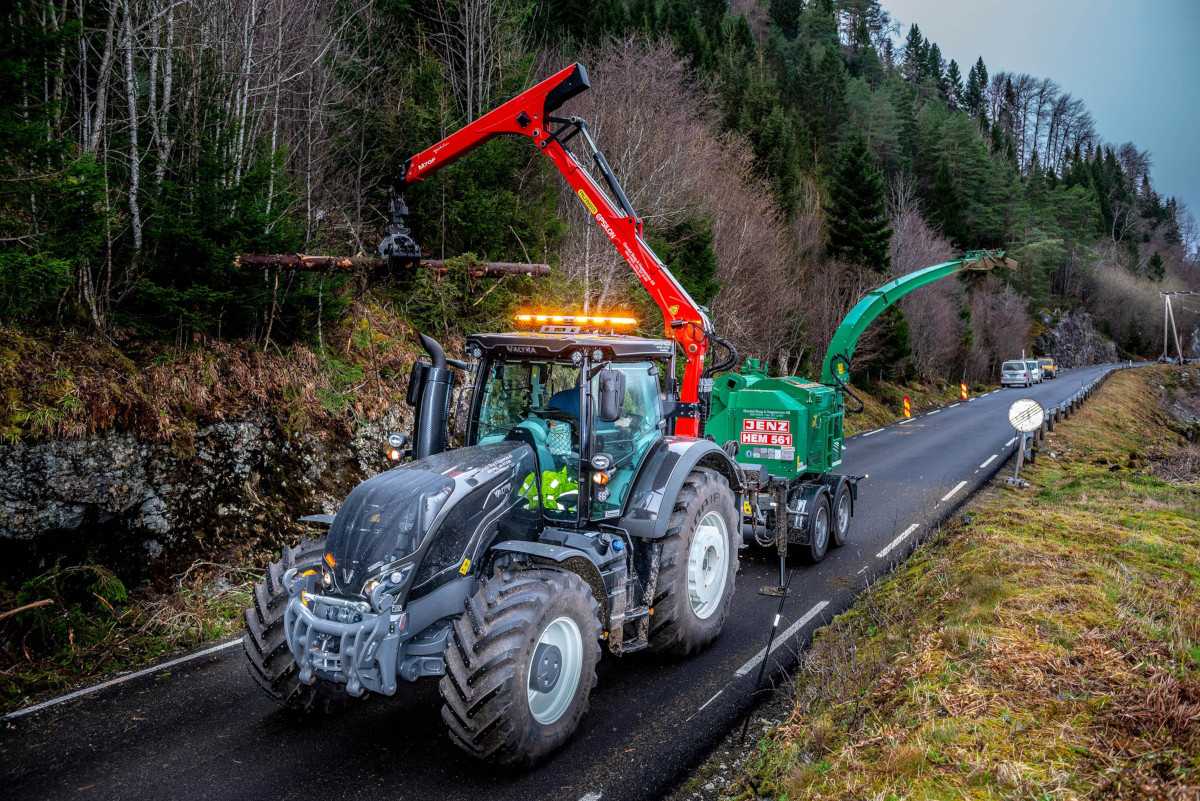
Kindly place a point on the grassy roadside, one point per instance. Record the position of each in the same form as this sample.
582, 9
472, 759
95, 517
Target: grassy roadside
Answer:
884, 404
1048, 646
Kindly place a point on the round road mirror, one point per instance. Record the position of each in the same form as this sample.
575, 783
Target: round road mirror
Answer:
1026, 415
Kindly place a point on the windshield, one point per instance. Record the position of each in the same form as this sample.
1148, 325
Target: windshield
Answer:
537, 403
1013, 367
1045, 362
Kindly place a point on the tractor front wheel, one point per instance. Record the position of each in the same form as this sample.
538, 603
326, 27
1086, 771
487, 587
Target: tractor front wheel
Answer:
698, 565
269, 659
522, 665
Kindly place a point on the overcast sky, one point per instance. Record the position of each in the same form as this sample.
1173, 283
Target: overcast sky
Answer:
1136, 63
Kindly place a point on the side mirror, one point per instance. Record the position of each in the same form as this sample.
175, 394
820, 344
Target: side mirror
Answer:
612, 395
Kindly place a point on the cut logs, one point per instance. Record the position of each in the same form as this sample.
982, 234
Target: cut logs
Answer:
371, 265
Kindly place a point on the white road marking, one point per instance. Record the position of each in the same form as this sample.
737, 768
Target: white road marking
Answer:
590, 797
869, 433
950, 494
938, 410
951, 406
990, 459
120, 680
710, 700
1010, 442
896, 541
864, 570
755, 660
908, 420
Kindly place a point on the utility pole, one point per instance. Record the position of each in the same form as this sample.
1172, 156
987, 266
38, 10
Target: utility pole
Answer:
1169, 326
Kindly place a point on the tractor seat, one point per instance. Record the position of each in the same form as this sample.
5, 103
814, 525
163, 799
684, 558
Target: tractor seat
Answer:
533, 433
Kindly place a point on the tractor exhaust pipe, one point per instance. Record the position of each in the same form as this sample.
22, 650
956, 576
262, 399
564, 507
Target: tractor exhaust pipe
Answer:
433, 389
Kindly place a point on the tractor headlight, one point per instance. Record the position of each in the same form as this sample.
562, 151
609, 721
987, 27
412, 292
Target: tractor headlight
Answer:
326, 577
577, 358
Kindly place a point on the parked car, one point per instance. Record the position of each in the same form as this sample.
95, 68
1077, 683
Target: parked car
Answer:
1016, 373
1049, 368
1035, 370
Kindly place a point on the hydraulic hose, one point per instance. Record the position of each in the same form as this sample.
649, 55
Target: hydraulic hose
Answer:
841, 384
706, 378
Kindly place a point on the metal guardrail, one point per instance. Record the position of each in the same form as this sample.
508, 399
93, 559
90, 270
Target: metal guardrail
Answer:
1055, 413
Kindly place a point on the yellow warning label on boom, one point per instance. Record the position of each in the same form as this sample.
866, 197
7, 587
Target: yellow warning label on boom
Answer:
587, 201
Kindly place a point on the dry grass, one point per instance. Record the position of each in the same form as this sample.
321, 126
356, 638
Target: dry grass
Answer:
61, 384
884, 403
86, 623
1048, 649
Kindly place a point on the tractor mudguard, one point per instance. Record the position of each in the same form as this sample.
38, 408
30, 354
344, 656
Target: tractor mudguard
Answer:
661, 478
590, 556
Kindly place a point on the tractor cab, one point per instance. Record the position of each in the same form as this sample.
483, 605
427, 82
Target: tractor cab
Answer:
590, 407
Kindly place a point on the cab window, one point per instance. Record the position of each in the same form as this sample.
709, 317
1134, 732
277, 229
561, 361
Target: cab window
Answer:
537, 403
628, 438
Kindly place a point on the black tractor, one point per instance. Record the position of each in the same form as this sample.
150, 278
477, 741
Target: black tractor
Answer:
570, 520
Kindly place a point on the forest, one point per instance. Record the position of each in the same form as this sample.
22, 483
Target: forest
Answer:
786, 156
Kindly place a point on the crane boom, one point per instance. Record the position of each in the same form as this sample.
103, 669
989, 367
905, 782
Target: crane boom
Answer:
529, 114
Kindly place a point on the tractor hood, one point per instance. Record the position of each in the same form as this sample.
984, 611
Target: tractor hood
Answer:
416, 526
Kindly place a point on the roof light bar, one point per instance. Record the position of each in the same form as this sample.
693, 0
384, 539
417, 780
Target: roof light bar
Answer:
573, 319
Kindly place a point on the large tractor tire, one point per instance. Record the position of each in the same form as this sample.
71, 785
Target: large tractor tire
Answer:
269, 660
698, 566
522, 665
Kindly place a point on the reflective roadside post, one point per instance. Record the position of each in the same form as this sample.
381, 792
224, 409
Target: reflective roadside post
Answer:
1026, 416
964, 391
907, 408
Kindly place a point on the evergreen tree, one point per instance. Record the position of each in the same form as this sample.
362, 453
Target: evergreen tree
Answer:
858, 225
982, 76
785, 14
973, 94
1156, 269
954, 85
819, 22
935, 71
946, 207
915, 55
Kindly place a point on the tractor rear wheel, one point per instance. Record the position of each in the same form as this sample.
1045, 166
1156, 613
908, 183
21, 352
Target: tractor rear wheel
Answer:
269, 659
522, 665
842, 506
698, 565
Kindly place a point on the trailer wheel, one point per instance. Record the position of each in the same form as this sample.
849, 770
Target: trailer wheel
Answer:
842, 507
819, 528
698, 566
269, 660
522, 664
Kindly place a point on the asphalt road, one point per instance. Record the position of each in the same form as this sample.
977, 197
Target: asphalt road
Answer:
202, 730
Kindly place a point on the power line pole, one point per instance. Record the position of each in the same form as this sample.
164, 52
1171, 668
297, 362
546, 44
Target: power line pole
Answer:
1169, 325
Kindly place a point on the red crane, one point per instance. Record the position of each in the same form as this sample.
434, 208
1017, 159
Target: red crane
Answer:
529, 114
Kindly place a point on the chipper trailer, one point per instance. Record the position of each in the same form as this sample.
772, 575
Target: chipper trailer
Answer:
584, 511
